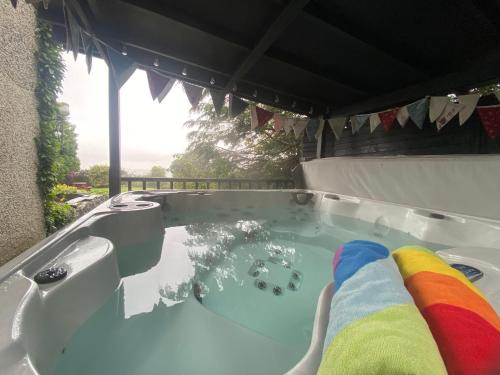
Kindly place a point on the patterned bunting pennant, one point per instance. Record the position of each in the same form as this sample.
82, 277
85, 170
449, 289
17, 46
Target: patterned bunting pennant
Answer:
450, 110
288, 124
490, 118
436, 106
418, 111
159, 85
337, 124
218, 98
387, 118
469, 103
299, 126
311, 128
193, 93
278, 122
374, 122
259, 116
319, 132
236, 106
403, 116
358, 121
121, 66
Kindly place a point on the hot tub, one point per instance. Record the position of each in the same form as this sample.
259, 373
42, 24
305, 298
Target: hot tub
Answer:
209, 282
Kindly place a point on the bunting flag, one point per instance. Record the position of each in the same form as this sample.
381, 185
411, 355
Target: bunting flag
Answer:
218, 98
278, 122
311, 128
259, 116
337, 124
88, 47
299, 126
469, 103
402, 116
490, 118
387, 118
436, 106
158, 84
374, 122
73, 32
358, 121
14, 3
319, 132
418, 111
464, 106
121, 66
497, 94
193, 93
288, 124
236, 106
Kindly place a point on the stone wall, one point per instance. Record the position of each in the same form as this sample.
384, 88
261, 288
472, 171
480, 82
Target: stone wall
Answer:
22, 222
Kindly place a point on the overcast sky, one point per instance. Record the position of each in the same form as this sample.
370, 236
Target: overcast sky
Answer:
150, 132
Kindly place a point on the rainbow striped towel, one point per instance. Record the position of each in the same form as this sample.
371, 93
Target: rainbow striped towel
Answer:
464, 325
374, 327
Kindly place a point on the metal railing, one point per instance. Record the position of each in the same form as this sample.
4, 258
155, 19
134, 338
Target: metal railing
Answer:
205, 183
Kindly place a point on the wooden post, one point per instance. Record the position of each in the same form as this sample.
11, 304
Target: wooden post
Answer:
114, 135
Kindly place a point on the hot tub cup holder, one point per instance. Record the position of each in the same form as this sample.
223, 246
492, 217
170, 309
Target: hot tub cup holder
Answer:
135, 205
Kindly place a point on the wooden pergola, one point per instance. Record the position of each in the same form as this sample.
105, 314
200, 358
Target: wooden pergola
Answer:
314, 57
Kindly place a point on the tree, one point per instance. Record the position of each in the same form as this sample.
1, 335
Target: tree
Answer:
157, 171
66, 159
98, 175
223, 147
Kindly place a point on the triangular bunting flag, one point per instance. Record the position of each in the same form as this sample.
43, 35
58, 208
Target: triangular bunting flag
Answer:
88, 46
418, 111
497, 94
74, 32
193, 93
278, 122
14, 3
337, 124
46, 4
259, 116
387, 118
374, 122
122, 67
436, 106
218, 97
319, 132
403, 116
67, 27
158, 84
288, 124
236, 106
358, 121
464, 106
299, 126
166, 89
311, 128
490, 118
468, 103
450, 110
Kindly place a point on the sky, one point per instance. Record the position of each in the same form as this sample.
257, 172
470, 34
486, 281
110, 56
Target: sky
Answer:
150, 132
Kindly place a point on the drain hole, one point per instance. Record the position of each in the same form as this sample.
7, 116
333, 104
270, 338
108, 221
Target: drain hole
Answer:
435, 215
50, 275
277, 291
119, 205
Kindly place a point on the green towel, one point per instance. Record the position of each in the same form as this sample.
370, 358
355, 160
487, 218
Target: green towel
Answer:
393, 341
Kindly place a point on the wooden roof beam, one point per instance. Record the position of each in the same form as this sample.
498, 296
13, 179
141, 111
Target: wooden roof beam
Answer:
284, 19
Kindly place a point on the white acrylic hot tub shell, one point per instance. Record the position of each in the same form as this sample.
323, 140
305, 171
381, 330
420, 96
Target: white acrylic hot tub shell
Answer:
36, 321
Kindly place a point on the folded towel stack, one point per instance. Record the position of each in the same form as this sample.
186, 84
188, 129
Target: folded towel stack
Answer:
464, 325
375, 328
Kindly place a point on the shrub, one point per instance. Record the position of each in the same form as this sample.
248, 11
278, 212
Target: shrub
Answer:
58, 215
